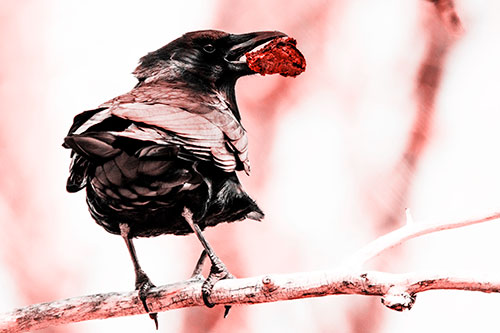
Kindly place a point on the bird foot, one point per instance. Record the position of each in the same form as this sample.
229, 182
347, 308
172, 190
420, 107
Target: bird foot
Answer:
143, 284
218, 272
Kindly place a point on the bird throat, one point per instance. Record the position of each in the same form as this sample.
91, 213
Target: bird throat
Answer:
227, 89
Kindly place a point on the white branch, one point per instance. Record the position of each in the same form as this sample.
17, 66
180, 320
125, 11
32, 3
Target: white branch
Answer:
398, 292
408, 231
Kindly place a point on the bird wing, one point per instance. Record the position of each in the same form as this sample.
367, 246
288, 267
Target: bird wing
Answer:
202, 124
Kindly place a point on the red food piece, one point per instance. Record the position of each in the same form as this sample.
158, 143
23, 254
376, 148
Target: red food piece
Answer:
279, 56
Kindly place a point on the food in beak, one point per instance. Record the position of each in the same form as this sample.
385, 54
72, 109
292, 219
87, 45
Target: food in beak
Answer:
280, 56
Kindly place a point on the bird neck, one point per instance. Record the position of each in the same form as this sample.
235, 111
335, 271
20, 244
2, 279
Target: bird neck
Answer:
227, 89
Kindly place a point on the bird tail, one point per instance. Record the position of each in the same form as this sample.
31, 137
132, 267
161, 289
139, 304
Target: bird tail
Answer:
230, 203
256, 215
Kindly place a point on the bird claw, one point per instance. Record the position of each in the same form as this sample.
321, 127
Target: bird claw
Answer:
143, 284
218, 272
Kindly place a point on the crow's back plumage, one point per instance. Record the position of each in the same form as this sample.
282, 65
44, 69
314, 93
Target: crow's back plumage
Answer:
147, 154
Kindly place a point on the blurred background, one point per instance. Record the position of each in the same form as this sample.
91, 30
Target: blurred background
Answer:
398, 108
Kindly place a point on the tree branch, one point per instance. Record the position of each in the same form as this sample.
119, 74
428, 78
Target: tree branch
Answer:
448, 14
407, 232
398, 292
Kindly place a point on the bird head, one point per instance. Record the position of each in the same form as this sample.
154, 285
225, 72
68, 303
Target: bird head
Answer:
209, 57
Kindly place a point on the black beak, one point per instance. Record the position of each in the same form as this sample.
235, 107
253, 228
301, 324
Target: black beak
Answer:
241, 44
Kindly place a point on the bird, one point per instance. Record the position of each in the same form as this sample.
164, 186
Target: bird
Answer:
163, 158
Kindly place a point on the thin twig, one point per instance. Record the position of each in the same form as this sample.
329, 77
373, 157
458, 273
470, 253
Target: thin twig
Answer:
407, 232
398, 292
448, 14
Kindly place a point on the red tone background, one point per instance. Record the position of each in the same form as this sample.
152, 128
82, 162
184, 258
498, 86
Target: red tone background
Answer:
393, 111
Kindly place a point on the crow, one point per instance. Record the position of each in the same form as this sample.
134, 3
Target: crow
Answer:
162, 158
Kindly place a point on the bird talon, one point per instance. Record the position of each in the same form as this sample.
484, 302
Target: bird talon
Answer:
154, 316
144, 285
205, 296
143, 294
226, 310
217, 272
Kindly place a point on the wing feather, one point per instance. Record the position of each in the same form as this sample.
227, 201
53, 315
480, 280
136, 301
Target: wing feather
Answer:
202, 124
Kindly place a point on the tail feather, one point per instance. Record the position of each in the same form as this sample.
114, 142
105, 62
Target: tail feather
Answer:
256, 215
231, 203
78, 174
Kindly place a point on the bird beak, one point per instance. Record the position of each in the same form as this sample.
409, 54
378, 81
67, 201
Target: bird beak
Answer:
241, 44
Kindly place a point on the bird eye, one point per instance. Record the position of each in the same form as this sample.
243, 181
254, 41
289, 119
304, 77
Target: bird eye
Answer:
209, 48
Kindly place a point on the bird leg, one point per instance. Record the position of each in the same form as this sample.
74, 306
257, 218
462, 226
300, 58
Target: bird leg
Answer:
199, 265
218, 271
142, 282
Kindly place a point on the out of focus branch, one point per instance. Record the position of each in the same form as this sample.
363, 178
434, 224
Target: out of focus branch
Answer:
398, 291
408, 231
449, 17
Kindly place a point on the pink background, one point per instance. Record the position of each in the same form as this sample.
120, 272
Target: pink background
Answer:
394, 111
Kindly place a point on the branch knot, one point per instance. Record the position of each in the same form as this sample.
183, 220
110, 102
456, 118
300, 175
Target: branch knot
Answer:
268, 285
399, 299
